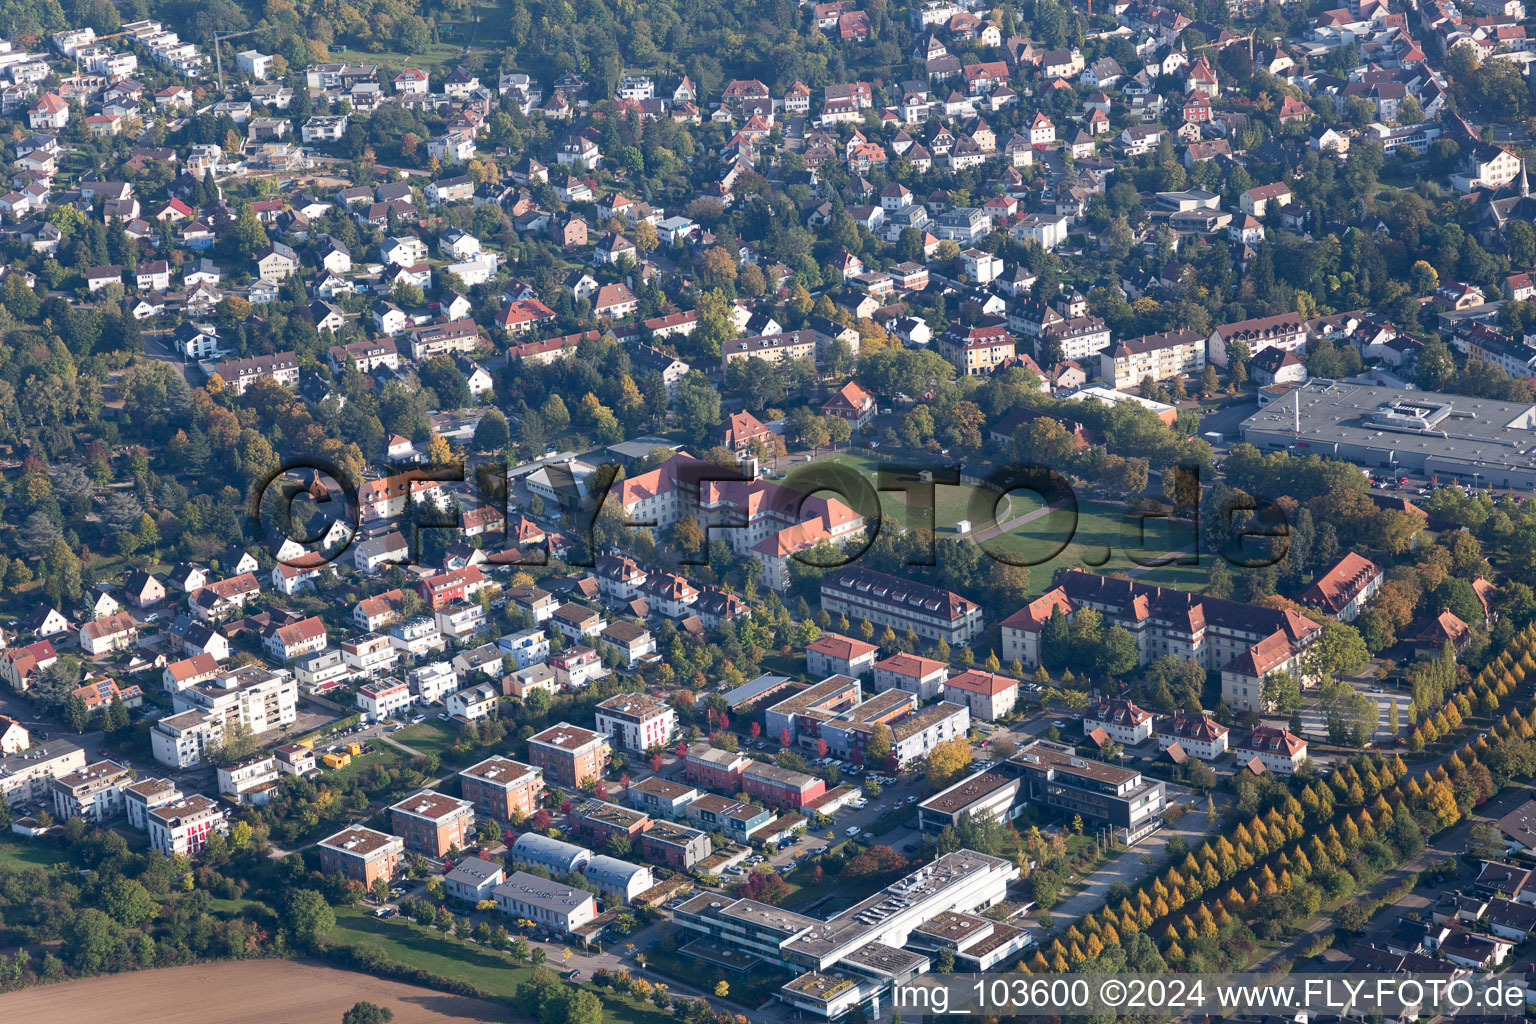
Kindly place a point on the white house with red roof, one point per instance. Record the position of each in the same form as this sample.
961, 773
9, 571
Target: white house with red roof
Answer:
833, 654
1279, 750
1344, 589
1122, 721
1198, 735
988, 695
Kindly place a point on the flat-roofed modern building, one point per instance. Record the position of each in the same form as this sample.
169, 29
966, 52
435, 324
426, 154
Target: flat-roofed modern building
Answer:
1051, 776
636, 721
799, 717
675, 846
662, 799
556, 907
856, 955
1479, 441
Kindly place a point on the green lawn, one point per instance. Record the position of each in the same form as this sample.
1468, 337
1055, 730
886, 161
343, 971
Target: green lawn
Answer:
409, 943
431, 737
1101, 537
436, 55
18, 853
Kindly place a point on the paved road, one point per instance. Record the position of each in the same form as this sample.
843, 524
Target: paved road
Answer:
1130, 866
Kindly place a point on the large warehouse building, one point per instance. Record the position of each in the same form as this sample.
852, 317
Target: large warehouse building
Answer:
1454, 437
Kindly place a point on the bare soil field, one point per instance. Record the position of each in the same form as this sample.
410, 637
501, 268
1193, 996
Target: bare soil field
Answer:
244, 992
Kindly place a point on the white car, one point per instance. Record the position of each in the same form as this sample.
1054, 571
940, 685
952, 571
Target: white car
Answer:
852, 830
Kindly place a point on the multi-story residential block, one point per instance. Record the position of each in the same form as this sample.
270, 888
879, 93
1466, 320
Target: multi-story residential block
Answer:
833, 654
369, 654
28, 776
502, 789
634, 643
568, 754
250, 780
362, 855
976, 351
472, 703
432, 824
675, 846
1244, 642
598, 821
1153, 356
797, 719
713, 768
182, 828
884, 600
662, 799
1285, 331
1344, 589
380, 698
179, 740
145, 795
296, 639
773, 786
636, 721
94, 792
914, 730
738, 820
922, 677
1278, 750
989, 696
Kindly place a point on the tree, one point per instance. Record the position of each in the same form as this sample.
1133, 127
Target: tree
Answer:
128, 903
77, 713
492, 433
946, 761
1282, 692
722, 988
1337, 650
365, 1012
309, 917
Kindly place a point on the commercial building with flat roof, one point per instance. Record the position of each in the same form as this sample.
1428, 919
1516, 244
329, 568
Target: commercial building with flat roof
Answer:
856, 955
1052, 776
1479, 441
555, 906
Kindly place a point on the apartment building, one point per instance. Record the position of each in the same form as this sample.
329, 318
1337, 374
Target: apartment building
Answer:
1344, 589
1244, 642
431, 824
884, 600
989, 696
636, 721
714, 813
143, 796
362, 855
773, 786
713, 768
1053, 779
833, 654
797, 719
976, 351
250, 780
598, 821
662, 799
1285, 331
296, 639
502, 789
94, 792
1278, 750
369, 654
28, 776
179, 740
675, 846
915, 730
922, 677
567, 754
182, 828
1161, 356
380, 698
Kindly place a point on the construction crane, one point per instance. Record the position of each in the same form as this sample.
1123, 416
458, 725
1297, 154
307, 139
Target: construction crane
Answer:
218, 56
